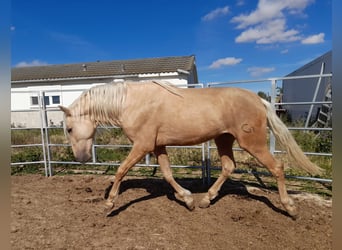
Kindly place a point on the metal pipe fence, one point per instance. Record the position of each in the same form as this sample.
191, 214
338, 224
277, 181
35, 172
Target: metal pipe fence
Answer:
206, 149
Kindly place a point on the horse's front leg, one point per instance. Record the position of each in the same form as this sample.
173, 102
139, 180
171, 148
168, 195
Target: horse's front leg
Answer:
136, 154
181, 193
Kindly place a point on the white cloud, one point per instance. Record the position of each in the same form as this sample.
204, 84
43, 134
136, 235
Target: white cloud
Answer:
266, 10
228, 61
12, 28
268, 32
270, 9
32, 63
216, 13
285, 51
314, 39
267, 23
259, 71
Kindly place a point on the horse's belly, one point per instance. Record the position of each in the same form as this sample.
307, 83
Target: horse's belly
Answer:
184, 136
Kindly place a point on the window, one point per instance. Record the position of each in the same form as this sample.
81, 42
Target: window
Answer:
55, 99
34, 100
48, 100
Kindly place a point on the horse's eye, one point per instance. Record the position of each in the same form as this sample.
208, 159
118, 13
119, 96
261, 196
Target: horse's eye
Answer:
69, 130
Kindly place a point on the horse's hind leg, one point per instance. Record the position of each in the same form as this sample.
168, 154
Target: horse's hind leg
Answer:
256, 145
224, 145
181, 193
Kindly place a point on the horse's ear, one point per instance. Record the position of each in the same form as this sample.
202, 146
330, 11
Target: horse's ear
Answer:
65, 110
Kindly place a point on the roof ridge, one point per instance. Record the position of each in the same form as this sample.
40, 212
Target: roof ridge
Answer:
109, 61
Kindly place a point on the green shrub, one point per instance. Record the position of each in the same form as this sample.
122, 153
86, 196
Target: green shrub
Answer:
111, 155
32, 136
27, 169
185, 156
61, 153
314, 142
28, 154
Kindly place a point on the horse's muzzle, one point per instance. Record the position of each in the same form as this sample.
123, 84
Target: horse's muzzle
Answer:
83, 158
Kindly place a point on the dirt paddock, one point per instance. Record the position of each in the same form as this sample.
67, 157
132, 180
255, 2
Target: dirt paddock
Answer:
66, 212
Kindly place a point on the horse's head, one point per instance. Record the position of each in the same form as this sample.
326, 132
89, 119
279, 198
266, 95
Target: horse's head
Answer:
80, 131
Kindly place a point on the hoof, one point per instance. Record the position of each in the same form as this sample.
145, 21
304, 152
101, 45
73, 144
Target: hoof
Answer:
204, 203
190, 204
187, 198
293, 213
291, 209
108, 207
294, 217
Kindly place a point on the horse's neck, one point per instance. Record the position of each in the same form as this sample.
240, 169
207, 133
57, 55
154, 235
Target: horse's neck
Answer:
102, 117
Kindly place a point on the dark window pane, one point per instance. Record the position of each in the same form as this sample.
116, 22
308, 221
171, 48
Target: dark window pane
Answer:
34, 100
55, 99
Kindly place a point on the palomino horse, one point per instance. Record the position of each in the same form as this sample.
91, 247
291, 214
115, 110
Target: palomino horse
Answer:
154, 115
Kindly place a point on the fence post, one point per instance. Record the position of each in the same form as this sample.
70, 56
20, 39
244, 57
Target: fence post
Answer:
42, 125
147, 159
273, 100
208, 164
204, 164
47, 137
93, 150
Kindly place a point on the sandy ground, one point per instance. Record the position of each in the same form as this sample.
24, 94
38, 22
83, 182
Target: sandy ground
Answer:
66, 212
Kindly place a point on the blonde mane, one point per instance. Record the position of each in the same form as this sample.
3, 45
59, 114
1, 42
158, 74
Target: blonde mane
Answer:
103, 103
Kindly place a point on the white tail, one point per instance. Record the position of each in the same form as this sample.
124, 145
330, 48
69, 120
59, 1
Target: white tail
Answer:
287, 141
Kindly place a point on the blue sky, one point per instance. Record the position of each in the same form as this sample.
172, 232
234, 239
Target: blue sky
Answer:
231, 39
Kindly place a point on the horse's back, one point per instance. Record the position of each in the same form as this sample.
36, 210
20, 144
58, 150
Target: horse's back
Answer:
223, 99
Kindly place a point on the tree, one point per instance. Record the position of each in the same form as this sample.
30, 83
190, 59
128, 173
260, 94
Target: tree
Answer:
264, 96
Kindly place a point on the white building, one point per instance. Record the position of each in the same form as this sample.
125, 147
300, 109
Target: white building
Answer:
62, 84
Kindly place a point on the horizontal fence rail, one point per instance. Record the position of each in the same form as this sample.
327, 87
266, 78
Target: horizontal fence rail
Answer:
205, 149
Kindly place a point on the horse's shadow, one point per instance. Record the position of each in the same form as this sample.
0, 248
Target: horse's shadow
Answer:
155, 188
239, 188
159, 187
